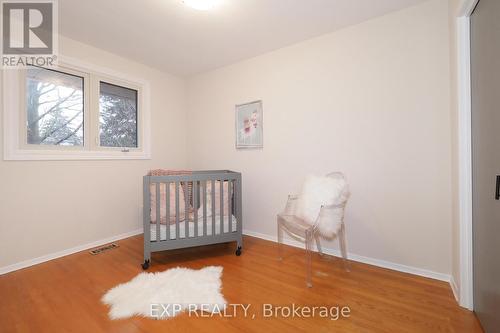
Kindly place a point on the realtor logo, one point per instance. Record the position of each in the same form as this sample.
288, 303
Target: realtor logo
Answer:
29, 35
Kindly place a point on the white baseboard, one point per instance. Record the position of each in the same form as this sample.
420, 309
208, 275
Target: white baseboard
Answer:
363, 259
51, 256
288, 241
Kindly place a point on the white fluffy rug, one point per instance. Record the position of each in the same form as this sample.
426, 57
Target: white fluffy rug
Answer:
165, 294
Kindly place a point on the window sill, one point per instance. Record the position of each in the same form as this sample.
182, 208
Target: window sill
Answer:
51, 155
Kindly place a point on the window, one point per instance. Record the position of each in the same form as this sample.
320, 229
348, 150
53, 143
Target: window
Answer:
54, 108
118, 116
74, 112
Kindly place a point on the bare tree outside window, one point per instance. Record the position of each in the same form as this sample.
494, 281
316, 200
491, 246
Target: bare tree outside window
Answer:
118, 116
54, 108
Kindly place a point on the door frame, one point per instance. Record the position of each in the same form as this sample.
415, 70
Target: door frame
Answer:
466, 8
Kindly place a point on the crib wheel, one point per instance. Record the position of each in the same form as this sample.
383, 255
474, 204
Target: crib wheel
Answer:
145, 265
238, 251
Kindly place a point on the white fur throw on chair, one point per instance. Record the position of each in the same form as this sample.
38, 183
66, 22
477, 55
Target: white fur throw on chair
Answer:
318, 191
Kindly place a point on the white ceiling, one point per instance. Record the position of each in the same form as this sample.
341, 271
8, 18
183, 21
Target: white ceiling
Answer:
177, 39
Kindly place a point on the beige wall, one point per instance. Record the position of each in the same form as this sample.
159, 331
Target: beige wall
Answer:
371, 100
49, 206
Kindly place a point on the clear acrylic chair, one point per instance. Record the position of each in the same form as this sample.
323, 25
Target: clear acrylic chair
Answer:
300, 229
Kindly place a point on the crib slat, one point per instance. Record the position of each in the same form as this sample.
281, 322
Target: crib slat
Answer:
239, 209
204, 193
236, 202
221, 206
176, 210
167, 210
146, 215
212, 193
195, 207
186, 210
158, 211
229, 206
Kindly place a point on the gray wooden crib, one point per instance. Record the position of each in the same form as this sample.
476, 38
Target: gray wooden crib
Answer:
200, 208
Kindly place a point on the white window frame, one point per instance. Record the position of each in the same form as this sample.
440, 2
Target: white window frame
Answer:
23, 131
95, 125
15, 145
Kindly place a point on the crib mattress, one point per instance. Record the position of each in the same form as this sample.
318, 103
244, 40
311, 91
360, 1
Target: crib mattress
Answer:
191, 228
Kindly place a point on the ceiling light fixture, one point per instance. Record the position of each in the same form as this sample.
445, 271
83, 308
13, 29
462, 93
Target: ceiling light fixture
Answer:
201, 4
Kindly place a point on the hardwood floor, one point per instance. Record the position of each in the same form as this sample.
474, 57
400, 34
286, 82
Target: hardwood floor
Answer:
63, 295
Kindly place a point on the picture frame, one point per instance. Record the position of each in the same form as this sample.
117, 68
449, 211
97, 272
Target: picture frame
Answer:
249, 129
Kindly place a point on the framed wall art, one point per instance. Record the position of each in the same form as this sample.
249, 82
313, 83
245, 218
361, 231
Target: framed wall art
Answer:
249, 125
